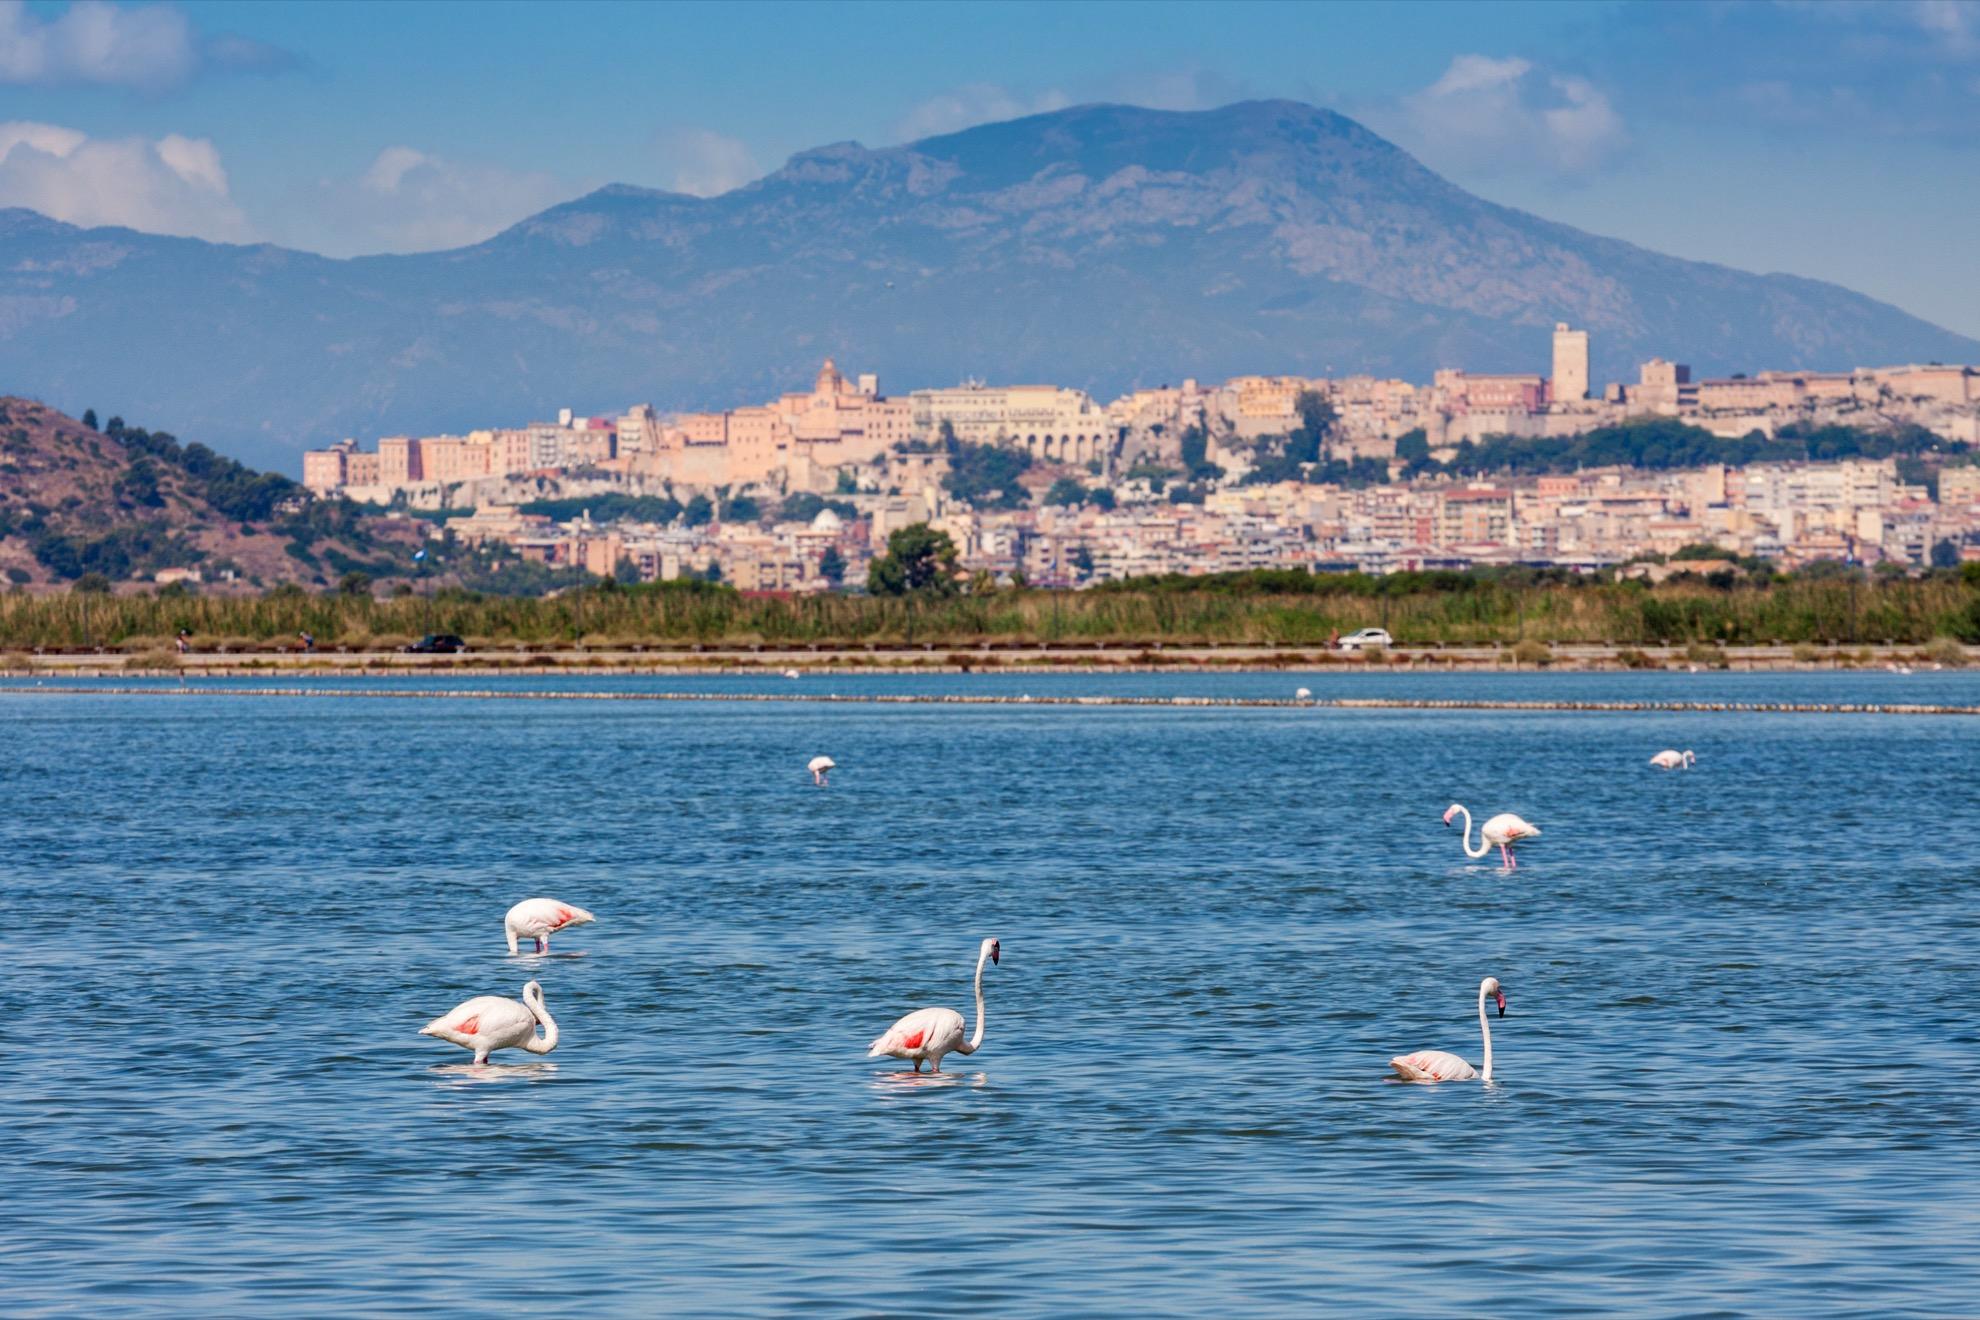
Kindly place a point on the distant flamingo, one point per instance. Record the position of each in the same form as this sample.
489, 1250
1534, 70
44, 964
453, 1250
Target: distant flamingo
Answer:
539, 919
818, 765
1504, 829
1304, 694
1437, 1066
488, 1023
790, 673
1669, 760
929, 1033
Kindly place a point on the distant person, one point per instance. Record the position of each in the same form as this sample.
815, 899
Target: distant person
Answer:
308, 641
185, 641
1334, 640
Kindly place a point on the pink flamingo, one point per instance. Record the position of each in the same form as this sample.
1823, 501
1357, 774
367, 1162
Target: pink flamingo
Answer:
489, 1022
929, 1033
1504, 830
539, 919
1437, 1066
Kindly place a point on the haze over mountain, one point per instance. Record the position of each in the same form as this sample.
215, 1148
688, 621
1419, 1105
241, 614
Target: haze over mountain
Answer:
1101, 246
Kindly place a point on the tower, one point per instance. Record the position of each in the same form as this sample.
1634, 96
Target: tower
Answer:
1570, 363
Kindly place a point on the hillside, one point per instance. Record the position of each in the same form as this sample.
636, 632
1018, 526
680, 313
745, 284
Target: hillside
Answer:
124, 503
1099, 246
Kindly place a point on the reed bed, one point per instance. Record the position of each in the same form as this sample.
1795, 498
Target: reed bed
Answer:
1791, 612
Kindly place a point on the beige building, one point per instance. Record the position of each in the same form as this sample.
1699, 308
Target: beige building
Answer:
1570, 381
1046, 421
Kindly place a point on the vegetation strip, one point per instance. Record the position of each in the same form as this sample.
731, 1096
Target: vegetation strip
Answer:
957, 699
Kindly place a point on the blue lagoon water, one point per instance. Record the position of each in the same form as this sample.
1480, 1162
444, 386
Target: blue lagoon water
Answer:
1740, 1071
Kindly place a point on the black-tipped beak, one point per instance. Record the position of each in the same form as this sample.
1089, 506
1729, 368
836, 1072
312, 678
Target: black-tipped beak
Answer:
1502, 1003
995, 951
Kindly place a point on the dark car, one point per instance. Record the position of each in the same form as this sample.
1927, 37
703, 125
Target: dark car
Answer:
437, 644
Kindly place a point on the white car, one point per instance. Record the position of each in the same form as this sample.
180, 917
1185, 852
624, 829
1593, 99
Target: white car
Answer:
1366, 637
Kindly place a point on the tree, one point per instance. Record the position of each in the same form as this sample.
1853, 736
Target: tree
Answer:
89, 418
1945, 554
354, 584
832, 565
92, 584
1082, 560
700, 511
1413, 446
1066, 492
1103, 499
919, 561
742, 508
714, 573
626, 571
845, 484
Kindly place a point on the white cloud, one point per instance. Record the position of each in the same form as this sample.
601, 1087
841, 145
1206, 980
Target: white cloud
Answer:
408, 200
706, 163
175, 185
1511, 115
149, 48
977, 103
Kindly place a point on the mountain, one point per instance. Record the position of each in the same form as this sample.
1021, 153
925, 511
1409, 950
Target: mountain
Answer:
126, 502
1101, 246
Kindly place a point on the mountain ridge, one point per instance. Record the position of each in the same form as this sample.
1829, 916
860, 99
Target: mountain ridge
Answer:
1101, 246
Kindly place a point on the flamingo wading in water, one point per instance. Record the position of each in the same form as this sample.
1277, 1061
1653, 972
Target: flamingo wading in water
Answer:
539, 919
1504, 830
819, 765
1437, 1066
1671, 760
488, 1023
929, 1033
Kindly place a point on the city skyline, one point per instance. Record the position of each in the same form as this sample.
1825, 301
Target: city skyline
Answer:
401, 131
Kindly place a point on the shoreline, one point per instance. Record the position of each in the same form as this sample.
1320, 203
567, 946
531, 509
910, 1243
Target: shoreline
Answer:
988, 699
934, 658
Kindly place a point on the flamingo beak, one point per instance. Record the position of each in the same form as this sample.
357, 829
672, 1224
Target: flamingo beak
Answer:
995, 951
1501, 997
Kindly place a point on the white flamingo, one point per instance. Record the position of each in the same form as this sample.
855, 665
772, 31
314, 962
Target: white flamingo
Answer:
1504, 830
790, 673
1670, 760
929, 1033
819, 765
488, 1023
539, 919
1437, 1066
1304, 694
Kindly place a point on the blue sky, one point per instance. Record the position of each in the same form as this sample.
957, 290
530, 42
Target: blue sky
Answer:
1838, 140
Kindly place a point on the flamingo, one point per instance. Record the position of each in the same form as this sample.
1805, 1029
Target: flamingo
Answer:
488, 1023
1670, 760
1304, 694
1437, 1066
540, 918
929, 1033
1504, 829
790, 673
818, 765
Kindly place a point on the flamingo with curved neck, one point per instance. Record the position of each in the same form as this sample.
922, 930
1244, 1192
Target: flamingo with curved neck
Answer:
488, 1023
1504, 830
1437, 1066
1670, 759
926, 1034
540, 918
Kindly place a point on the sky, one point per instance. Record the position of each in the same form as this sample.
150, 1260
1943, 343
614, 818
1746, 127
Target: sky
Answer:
1837, 140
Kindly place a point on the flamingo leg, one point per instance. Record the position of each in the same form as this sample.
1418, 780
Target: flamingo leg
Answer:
917, 1065
541, 944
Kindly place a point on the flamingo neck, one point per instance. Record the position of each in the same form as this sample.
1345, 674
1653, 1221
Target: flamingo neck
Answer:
1483, 847
976, 1037
548, 1040
1485, 1030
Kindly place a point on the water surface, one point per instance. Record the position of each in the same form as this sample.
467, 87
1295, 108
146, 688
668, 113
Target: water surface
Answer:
1737, 1074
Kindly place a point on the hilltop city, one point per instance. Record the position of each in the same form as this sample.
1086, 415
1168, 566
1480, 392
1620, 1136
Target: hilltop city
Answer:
1044, 484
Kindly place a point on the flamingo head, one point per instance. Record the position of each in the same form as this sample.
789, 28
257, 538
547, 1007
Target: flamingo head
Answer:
991, 950
1451, 811
1494, 989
